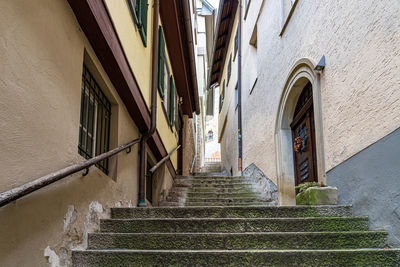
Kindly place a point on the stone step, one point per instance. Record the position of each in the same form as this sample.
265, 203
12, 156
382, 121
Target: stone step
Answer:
234, 225
225, 185
213, 181
233, 212
285, 258
171, 204
216, 177
231, 241
218, 190
222, 201
212, 195
219, 204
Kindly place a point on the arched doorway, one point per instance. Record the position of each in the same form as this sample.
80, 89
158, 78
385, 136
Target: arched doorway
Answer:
293, 106
303, 137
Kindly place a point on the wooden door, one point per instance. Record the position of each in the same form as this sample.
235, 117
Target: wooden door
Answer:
303, 137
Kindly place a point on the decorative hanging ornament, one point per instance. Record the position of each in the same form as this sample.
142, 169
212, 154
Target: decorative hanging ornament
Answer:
298, 144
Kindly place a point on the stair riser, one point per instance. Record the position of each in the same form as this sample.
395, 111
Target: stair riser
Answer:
237, 241
238, 201
213, 182
219, 204
227, 185
219, 190
235, 225
222, 196
233, 259
233, 212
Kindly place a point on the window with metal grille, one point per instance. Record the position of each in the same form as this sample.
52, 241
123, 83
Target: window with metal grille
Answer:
94, 127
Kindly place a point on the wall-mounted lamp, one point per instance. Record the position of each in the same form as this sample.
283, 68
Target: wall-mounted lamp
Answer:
321, 64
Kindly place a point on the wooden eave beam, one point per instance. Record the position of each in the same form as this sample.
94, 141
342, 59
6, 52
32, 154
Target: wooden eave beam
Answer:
174, 40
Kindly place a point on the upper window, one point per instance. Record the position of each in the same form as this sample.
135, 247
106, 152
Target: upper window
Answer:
236, 96
94, 127
288, 7
229, 68
222, 96
138, 9
210, 136
236, 44
166, 86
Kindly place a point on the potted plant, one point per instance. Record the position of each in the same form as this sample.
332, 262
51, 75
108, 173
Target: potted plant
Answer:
313, 193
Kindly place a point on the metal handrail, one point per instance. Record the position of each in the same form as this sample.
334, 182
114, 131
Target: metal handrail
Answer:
25, 189
155, 167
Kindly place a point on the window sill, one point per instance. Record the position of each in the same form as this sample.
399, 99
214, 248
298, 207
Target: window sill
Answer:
288, 18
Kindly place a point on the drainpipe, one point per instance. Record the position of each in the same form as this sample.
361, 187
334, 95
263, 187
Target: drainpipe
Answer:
153, 119
240, 132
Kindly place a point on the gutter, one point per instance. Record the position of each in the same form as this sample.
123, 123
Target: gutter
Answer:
153, 119
189, 36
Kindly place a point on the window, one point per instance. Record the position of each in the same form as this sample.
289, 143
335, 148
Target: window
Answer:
94, 127
246, 8
236, 96
162, 64
222, 96
166, 86
288, 7
236, 45
210, 136
172, 100
138, 10
229, 68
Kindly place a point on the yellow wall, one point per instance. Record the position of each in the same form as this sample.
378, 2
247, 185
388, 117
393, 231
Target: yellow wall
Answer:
140, 59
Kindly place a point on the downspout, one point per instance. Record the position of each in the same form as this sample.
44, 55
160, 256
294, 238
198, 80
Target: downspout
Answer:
240, 132
153, 118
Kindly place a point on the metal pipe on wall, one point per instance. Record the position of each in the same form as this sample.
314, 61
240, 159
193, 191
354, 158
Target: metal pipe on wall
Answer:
240, 131
153, 119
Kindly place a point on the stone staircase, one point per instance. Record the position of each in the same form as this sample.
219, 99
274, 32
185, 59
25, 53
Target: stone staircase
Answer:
223, 222
215, 191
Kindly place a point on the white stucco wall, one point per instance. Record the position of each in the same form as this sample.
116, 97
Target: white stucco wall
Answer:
359, 86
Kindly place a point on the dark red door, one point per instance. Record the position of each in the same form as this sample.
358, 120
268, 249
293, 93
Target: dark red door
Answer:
303, 137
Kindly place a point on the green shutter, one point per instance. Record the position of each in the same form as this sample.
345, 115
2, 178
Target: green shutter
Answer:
161, 62
171, 101
141, 11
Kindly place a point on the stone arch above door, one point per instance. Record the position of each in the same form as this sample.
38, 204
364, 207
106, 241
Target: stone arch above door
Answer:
299, 76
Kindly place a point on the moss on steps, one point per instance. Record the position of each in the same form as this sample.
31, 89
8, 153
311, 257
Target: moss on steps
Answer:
254, 258
234, 225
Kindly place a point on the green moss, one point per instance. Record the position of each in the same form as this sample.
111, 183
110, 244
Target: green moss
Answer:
365, 258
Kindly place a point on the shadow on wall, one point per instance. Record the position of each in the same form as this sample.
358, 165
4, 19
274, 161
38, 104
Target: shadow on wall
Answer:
262, 184
370, 181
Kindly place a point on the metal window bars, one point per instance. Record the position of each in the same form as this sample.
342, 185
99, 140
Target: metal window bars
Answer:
94, 128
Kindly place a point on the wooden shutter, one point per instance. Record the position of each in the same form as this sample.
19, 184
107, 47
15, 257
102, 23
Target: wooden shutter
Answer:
161, 62
141, 9
171, 101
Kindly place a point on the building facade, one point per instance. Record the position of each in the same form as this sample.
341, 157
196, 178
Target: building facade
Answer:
300, 122
80, 78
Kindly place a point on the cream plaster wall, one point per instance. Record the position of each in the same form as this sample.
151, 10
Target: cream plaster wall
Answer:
42, 52
360, 99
